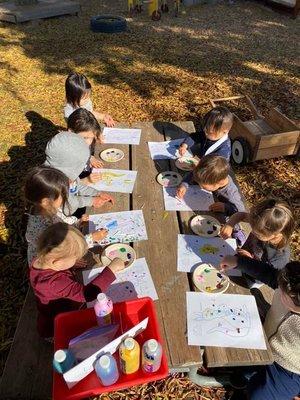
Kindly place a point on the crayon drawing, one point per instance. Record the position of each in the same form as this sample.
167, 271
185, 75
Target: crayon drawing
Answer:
115, 180
195, 199
225, 320
167, 150
123, 227
122, 136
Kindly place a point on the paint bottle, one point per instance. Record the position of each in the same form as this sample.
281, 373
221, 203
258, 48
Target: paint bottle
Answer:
151, 356
107, 370
103, 309
129, 356
63, 360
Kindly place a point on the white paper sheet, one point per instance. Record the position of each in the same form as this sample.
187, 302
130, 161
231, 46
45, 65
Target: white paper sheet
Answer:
195, 199
83, 369
168, 149
130, 284
122, 136
224, 320
115, 180
123, 227
194, 250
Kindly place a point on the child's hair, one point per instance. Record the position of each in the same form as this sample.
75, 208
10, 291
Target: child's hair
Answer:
217, 118
211, 169
82, 120
289, 281
77, 85
61, 240
45, 182
272, 216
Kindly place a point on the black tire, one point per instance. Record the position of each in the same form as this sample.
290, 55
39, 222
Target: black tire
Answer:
108, 24
156, 15
240, 151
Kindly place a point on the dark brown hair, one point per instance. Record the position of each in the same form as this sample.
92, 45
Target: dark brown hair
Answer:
77, 85
211, 170
289, 281
272, 216
82, 120
216, 118
45, 182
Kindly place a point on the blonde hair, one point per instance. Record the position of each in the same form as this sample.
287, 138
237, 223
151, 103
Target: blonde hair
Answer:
273, 216
211, 169
61, 240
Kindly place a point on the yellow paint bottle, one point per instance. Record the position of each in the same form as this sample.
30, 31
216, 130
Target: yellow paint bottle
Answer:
129, 356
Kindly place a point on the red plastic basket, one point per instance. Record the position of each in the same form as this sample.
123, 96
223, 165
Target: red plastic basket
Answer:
128, 314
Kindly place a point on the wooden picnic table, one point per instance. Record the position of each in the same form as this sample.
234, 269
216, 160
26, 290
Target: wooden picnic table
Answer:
160, 251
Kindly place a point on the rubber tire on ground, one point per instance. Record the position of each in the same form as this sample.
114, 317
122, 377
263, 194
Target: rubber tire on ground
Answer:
240, 151
108, 24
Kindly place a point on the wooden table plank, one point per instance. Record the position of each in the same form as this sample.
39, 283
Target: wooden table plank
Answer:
219, 356
160, 252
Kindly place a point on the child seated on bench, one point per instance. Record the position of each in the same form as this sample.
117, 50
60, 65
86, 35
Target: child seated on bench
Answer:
52, 277
46, 195
281, 380
78, 94
69, 153
272, 224
213, 138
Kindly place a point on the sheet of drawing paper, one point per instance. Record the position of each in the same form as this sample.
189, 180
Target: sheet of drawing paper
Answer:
224, 320
194, 250
195, 199
115, 180
168, 149
122, 136
134, 282
123, 226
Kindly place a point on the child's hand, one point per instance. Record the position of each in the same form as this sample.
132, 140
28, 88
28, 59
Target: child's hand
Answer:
99, 235
100, 200
95, 163
107, 119
245, 253
181, 191
116, 265
228, 263
226, 231
217, 207
94, 177
84, 218
80, 264
182, 149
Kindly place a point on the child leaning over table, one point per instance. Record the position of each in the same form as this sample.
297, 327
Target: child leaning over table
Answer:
213, 137
53, 280
281, 380
212, 174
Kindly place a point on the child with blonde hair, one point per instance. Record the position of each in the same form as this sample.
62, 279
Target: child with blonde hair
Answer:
78, 94
52, 278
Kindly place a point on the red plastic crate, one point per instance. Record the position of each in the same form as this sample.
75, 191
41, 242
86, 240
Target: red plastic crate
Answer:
71, 324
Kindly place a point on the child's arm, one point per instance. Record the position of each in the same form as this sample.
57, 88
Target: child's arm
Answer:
182, 188
227, 229
231, 199
106, 118
259, 270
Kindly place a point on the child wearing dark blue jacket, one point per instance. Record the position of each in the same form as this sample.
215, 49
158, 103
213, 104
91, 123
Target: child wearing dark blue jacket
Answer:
213, 137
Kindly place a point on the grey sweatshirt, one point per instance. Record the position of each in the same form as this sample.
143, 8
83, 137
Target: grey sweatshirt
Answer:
69, 153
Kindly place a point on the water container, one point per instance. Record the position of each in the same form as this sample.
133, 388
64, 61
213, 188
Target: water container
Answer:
129, 356
151, 356
103, 309
63, 360
107, 370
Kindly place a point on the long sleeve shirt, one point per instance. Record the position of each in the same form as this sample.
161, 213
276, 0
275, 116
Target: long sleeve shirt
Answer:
59, 291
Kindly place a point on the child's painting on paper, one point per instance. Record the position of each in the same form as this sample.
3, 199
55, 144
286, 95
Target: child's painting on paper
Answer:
167, 150
122, 135
115, 180
224, 320
195, 199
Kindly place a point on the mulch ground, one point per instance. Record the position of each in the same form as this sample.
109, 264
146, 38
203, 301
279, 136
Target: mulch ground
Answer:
156, 70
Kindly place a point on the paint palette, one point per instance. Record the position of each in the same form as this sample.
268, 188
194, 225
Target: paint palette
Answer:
205, 225
208, 279
186, 163
169, 178
112, 155
119, 250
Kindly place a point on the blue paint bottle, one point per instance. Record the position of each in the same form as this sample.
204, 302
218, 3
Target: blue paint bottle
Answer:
63, 360
107, 370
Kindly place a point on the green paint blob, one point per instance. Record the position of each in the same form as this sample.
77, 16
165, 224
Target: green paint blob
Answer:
122, 249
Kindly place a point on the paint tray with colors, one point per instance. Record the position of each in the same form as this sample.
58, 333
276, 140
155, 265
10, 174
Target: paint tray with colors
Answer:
208, 279
205, 225
186, 163
169, 179
112, 155
118, 250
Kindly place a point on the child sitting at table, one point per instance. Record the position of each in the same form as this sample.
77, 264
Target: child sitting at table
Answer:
213, 137
280, 380
46, 194
69, 153
83, 122
272, 224
53, 280
78, 94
